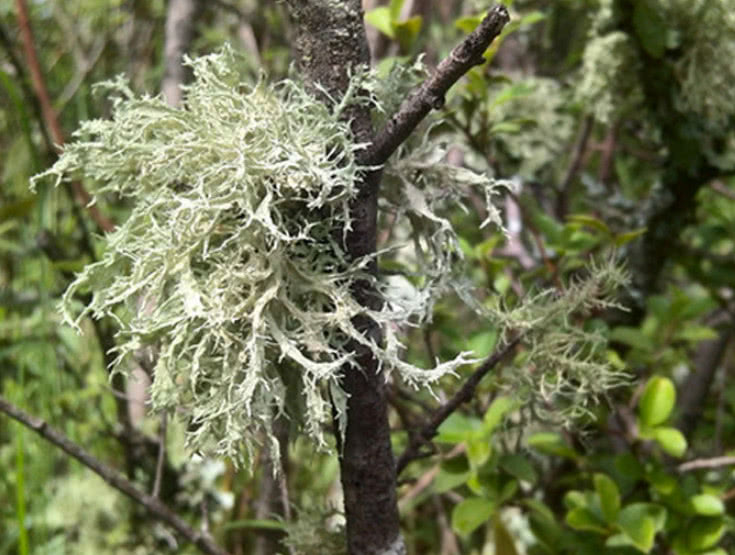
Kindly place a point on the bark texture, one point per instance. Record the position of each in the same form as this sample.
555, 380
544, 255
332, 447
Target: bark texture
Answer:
330, 40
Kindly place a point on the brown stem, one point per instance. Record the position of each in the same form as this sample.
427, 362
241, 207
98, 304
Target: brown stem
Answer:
699, 464
330, 41
465, 393
430, 94
180, 21
49, 115
574, 166
607, 155
154, 506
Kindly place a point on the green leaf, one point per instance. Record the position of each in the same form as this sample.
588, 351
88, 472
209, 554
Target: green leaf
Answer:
573, 499
609, 495
650, 27
509, 127
471, 513
695, 333
632, 337
662, 481
18, 209
457, 428
627, 237
532, 17
657, 401
468, 23
512, 91
519, 466
407, 31
380, 18
551, 443
478, 451
395, 7
639, 527
582, 518
543, 524
481, 344
446, 481
589, 221
551, 229
504, 544
495, 413
705, 532
671, 440
706, 504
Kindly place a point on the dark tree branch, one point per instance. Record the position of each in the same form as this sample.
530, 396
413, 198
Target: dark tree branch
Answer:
465, 393
330, 41
154, 506
430, 94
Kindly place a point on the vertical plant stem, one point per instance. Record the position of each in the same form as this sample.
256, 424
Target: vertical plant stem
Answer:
330, 40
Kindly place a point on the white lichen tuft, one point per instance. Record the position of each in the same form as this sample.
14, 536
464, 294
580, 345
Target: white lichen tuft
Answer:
231, 261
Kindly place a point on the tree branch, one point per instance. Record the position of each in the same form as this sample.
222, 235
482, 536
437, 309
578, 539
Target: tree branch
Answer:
466, 392
49, 115
180, 22
430, 94
698, 464
114, 478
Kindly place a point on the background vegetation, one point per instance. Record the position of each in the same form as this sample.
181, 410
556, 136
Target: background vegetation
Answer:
613, 121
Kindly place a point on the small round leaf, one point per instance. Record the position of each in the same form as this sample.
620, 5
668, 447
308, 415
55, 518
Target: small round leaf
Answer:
657, 401
707, 505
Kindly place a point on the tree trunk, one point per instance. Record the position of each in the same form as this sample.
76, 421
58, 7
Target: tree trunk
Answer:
330, 40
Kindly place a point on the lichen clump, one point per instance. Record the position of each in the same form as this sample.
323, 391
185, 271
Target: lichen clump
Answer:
231, 262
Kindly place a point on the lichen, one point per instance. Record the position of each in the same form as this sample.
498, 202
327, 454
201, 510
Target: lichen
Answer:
232, 261
609, 84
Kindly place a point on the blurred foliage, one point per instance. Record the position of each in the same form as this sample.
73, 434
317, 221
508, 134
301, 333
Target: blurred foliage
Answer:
612, 120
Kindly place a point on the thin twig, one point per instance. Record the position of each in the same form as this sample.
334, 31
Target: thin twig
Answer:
430, 94
49, 114
574, 166
20, 75
607, 156
154, 506
699, 464
720, 187
465, 393
161, 455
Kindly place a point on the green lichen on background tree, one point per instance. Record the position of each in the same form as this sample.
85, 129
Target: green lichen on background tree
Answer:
694, 37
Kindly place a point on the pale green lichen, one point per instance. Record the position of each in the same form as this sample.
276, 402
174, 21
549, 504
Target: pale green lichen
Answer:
231, 261
609, 84
705, 70
545, 128
563, 370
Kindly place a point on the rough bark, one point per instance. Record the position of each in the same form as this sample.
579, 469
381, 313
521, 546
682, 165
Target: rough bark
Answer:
330, 40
